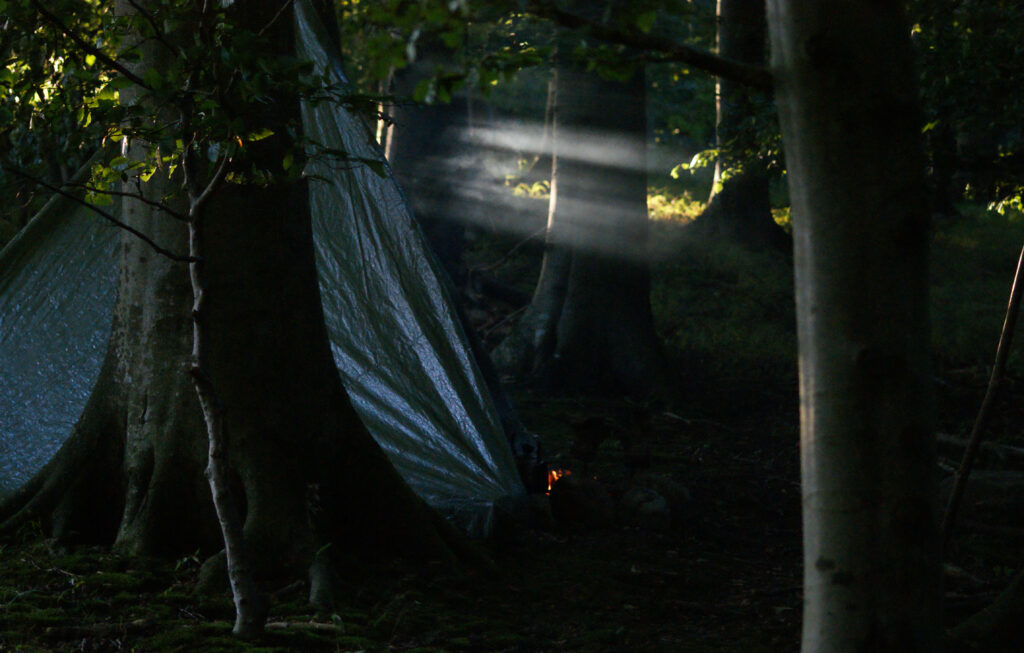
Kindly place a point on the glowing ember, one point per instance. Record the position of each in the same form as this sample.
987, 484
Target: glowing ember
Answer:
554, 475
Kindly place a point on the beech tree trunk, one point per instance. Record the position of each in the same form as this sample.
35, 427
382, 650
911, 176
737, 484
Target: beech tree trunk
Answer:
589, 326
738, 208
848, 106
298, 459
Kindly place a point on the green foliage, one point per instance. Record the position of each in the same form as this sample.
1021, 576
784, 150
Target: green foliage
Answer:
681, 106
972, 60
54, 99
663, 204
537, 190
470, 46
192, 86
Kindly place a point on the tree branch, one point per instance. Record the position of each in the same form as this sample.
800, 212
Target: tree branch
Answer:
273, 20
135, 196
105, 215
218, 176
82, 43
995, 383
669, 50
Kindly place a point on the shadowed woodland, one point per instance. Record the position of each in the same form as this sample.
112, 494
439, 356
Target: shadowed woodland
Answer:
536, 326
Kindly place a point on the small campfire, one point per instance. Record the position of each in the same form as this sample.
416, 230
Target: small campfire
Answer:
554, 475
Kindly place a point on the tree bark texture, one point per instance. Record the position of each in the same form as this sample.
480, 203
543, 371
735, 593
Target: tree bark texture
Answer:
848, 106
589, 326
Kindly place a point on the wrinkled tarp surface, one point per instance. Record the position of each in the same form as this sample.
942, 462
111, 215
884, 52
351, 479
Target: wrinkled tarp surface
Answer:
396, 340
56, 302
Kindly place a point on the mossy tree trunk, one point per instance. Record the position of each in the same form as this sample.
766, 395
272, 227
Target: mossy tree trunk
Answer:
848, 107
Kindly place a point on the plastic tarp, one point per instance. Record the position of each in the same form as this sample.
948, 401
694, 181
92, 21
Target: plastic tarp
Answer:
396, 338
402, 354
56, 301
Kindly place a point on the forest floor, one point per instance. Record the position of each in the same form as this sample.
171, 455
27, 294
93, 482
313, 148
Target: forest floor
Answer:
724, 575
678, 529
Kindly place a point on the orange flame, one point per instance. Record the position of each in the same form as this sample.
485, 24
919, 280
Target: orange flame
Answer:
554, 475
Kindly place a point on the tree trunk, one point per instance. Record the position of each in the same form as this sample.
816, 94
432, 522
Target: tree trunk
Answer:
850, 121
526, 352
589, 326
304, 468
606, 341
738, 208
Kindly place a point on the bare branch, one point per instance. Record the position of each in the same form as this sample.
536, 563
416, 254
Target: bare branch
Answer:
82, 43
276, 16
105, 215
664, 49
218, 176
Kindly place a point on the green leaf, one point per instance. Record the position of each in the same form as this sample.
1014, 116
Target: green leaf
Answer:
260, 134
452, 39
645, 21
424, 91
153, 78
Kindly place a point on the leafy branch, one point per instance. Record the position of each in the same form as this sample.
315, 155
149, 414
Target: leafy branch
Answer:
88, 47
104, 214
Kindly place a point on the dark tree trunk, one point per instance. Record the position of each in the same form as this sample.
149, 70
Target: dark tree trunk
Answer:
606, 342
738, 208
589, 326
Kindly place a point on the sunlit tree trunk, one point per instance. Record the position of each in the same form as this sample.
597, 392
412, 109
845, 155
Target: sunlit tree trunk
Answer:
526, 352
848, 105
738, 207
589, 326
